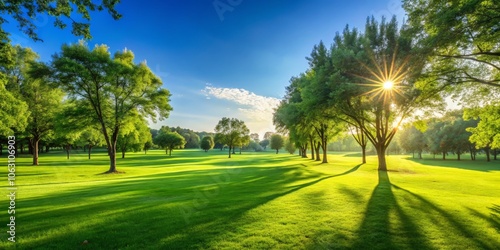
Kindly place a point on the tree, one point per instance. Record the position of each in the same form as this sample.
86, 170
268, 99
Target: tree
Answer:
267, 135
114, 88
243, 142
289, 146
14, 112
25, 12
254, 137
169, 141
147, 146
277, 142
231, 131
487, 132
462, 37
192, 139
134, 135
35, 89
207, 143
92, 137
264, 143
412, 140
374, 81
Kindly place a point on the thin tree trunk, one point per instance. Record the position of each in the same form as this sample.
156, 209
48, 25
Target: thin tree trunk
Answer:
312, 147
35, 150
324, 146
229, 151
487, 154
67, 150
170, 152
458, 155
444, 155
363, 152
90, 149
276, 151
316, 147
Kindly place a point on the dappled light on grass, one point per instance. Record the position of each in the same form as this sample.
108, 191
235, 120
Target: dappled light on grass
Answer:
254, 200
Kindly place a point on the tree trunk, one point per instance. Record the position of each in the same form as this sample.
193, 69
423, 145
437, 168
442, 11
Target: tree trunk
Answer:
112, 151
35, 141
316, 147
420, 154
123, 154
382, 164
67, 150
495, 154
363, 152
324, 146
458, 156
276, 151
90, 149
444, 155
47, 147
487, 154
229, 151
170, 152
312, 147
112, 160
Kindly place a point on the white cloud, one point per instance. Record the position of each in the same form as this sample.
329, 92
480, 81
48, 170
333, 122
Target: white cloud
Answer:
256, 109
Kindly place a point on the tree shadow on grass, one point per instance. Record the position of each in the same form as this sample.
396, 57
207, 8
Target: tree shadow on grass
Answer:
377, 228
460, 228
495, 216
169, 210
387, 225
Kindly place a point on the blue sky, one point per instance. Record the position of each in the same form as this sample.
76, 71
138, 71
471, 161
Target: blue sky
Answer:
217, 62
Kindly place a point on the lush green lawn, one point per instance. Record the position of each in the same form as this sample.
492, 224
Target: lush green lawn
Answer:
197, 200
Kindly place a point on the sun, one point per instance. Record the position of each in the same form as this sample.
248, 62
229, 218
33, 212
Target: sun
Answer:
388, 85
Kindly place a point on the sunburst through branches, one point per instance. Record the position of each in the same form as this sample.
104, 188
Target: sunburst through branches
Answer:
385, 78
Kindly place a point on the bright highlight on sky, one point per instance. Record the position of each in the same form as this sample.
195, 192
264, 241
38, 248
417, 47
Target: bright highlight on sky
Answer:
219, 58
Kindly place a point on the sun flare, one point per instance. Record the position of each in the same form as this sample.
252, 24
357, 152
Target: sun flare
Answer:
388, 85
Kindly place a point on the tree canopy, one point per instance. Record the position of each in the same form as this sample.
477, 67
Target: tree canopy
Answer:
113, 87
26, 12
231, 132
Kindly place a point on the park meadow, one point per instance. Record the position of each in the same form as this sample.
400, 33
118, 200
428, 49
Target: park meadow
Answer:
259, 200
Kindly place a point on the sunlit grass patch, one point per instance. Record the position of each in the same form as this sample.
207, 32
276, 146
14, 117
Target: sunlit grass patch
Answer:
198, 200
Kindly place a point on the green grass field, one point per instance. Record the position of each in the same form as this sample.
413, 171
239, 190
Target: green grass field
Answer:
197, 200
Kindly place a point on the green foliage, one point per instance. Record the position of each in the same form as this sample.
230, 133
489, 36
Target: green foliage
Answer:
290, 146
169, 140
14, 112
277, 142
264, 143
412, 140
487, 132
25, 12
462, 38
114, 88
255, 146
207, 143
231, 132
134, 135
